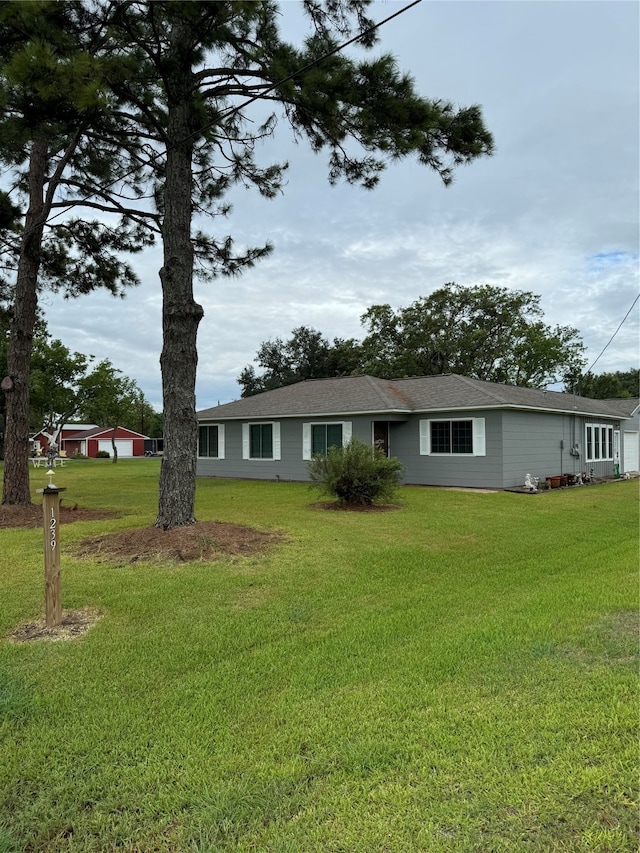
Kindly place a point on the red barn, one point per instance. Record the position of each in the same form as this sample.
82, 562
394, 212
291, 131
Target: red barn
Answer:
41, 440
89, 442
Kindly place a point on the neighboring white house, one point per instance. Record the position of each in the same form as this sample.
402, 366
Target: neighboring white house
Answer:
630, 434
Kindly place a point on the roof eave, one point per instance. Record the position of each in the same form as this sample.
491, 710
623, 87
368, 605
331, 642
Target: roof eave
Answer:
521, 407
319, 414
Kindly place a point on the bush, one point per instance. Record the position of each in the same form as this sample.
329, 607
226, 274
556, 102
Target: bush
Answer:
356, 473
103, 454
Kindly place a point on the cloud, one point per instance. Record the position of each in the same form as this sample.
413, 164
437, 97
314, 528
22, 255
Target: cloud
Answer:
554, 211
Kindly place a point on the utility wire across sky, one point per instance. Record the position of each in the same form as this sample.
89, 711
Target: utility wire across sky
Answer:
100, 190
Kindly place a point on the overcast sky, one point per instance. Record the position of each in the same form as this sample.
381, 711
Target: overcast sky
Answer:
554, 211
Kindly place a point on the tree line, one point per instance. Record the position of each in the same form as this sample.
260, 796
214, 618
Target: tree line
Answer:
68, 387
486, 332
126, 123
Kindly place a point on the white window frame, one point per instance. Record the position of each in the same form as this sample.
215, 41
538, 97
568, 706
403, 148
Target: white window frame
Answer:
347, 432
246, 445
479, 443
220, 441
606, 437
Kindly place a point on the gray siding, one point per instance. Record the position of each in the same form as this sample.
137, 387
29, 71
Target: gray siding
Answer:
291, 465
451, 469
533, 444
517, 442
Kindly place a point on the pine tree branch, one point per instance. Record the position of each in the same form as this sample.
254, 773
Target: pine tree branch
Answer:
61, 165
142, 217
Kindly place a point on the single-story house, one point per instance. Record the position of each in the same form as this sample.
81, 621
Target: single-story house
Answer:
447, 430
90, 442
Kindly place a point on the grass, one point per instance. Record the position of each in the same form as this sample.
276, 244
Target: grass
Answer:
460, 675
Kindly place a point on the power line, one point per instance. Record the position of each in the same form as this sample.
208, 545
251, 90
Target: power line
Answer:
614, 334
314, 62
233, 110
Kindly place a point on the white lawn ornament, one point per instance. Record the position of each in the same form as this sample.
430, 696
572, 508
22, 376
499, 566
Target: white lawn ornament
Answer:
52, 438
531, 483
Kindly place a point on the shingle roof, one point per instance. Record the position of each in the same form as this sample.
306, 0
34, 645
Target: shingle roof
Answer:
450, 391
350, 395
628, 405
341, 395
92, 433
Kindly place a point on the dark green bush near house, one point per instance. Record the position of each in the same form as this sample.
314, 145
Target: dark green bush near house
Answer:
103, 454
356, 474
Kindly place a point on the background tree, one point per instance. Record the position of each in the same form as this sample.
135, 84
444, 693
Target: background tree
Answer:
55, 378
143, 418
109, 398
151, 422
345, 357
66, 387
486, 332
306, 355
205, 65
58, 130
608, 386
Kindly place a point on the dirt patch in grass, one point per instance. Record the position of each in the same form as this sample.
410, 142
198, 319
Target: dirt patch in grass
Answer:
204, 541
31, 516
621, 629
74, 624
617, 641
622, 623
344, 507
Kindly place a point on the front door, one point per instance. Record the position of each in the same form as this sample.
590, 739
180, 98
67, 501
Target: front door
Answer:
381, 436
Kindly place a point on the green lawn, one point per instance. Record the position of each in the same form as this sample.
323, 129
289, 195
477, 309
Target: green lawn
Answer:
459, 675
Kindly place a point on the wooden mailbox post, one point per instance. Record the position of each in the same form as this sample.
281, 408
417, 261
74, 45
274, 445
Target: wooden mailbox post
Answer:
51, 525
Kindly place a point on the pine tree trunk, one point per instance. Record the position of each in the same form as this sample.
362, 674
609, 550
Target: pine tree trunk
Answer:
181, 315
16, 464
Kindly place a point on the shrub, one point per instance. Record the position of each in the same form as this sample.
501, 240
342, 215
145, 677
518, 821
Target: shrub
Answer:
103, 454
356, 473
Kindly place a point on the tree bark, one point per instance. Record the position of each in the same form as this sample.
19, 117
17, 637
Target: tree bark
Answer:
181, 315
16, 488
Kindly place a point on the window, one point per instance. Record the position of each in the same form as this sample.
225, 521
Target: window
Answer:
324, 436
318, 438
451, 437
599, 442
211, 441
261, 441
465, 437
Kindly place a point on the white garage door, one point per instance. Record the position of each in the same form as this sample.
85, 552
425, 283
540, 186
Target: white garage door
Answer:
124, 448
631, 452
